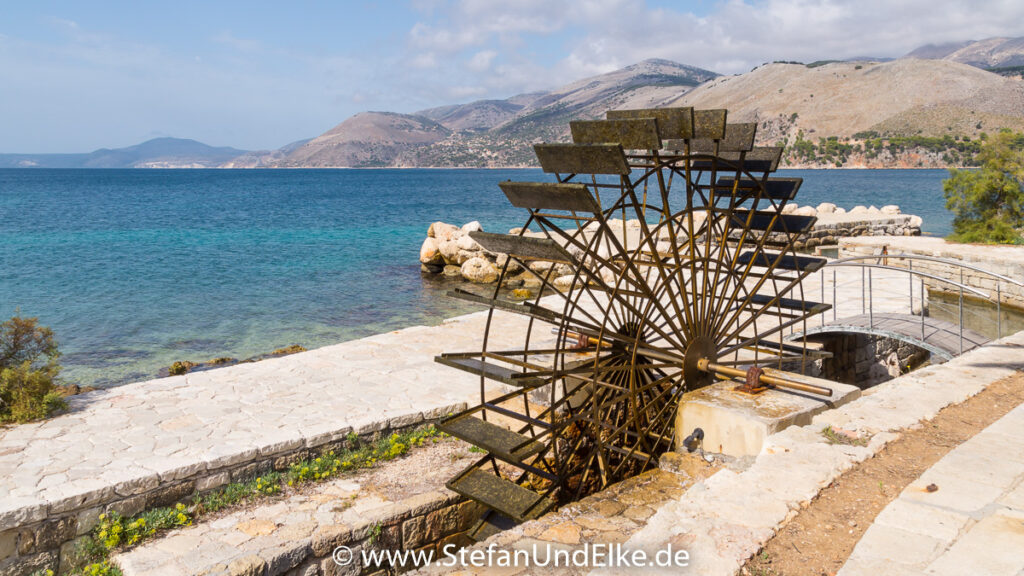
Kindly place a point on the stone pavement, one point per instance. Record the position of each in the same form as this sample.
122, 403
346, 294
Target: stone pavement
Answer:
972, 524
153, 442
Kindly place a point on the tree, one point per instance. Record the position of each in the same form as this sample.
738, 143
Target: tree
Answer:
988, 203
28, 369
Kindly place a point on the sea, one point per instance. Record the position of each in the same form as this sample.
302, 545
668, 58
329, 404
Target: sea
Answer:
136, 269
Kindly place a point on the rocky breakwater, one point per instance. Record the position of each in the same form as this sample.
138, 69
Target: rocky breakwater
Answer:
449, 250
834, 223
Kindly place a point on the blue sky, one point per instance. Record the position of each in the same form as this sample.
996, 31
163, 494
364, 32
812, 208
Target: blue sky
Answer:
76, 76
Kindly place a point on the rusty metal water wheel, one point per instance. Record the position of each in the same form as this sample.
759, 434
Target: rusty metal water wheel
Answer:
665, 263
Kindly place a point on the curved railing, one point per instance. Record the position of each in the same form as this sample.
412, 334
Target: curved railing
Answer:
868, 263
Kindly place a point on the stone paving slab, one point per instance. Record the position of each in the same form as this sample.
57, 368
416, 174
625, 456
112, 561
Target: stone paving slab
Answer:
973, 523
123, 441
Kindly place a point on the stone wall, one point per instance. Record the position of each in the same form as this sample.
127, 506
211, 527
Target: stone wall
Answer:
1005, 260
46, 537
867, 361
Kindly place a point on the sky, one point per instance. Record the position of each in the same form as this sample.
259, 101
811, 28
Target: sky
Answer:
76, 76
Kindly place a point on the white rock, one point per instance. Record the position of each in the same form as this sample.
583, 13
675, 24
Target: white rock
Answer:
449, 251
858, 210
473, 226
790, 208
873, 210
441, 231
467, 243
540, 266
826, 208
479, 270
915, 221
805, 211
891, 209
565, 283
429, 252
840, 210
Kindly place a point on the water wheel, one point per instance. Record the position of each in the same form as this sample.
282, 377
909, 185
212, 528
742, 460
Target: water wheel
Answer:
666, 263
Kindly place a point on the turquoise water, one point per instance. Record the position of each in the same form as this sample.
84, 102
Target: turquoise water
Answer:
135, 269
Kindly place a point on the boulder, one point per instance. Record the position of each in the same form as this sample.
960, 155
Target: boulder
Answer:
915, 221
840, 210
858, 210
452, 271
805, 211
874, 210
540, 266
564, 283
890, 209
826, 208
464, 255
467, 243
479, 270
441, 231
790, 207
430, 253
473, 226
431, 268
513, 265
449, 251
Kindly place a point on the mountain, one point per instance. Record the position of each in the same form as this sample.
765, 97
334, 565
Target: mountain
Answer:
367, 139
906, 97
988, 53
492, 132
156, 153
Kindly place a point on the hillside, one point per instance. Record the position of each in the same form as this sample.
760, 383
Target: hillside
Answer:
368, 139
914, 112
493, 132
987, 53
156, 153
902, 98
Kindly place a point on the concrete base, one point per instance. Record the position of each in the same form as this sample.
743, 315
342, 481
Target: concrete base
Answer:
737, 424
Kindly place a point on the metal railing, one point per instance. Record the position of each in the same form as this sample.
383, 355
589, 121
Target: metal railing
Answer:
880, 261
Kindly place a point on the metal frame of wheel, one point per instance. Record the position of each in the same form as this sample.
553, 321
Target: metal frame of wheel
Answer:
666, 262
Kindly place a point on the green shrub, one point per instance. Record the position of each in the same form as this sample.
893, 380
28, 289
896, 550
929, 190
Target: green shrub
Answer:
28, 370
988, 203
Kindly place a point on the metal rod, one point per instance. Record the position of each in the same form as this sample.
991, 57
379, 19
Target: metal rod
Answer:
871, 302
922, 309
863, 297
962, 312
822, 293
835, 288
910, 279
999, 313
707, 366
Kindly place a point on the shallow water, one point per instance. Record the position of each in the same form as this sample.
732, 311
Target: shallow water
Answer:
135, 269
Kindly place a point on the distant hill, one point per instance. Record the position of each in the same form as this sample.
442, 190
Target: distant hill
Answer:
156, 153
492, 132
990, 53
907, 97
367, 139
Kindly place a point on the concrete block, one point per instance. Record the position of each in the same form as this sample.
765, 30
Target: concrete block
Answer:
737, 424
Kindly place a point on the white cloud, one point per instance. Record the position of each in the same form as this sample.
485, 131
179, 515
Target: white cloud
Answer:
481, 61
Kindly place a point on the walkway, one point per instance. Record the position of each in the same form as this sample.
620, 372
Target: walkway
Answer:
147, 443
939, 337
972, 523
